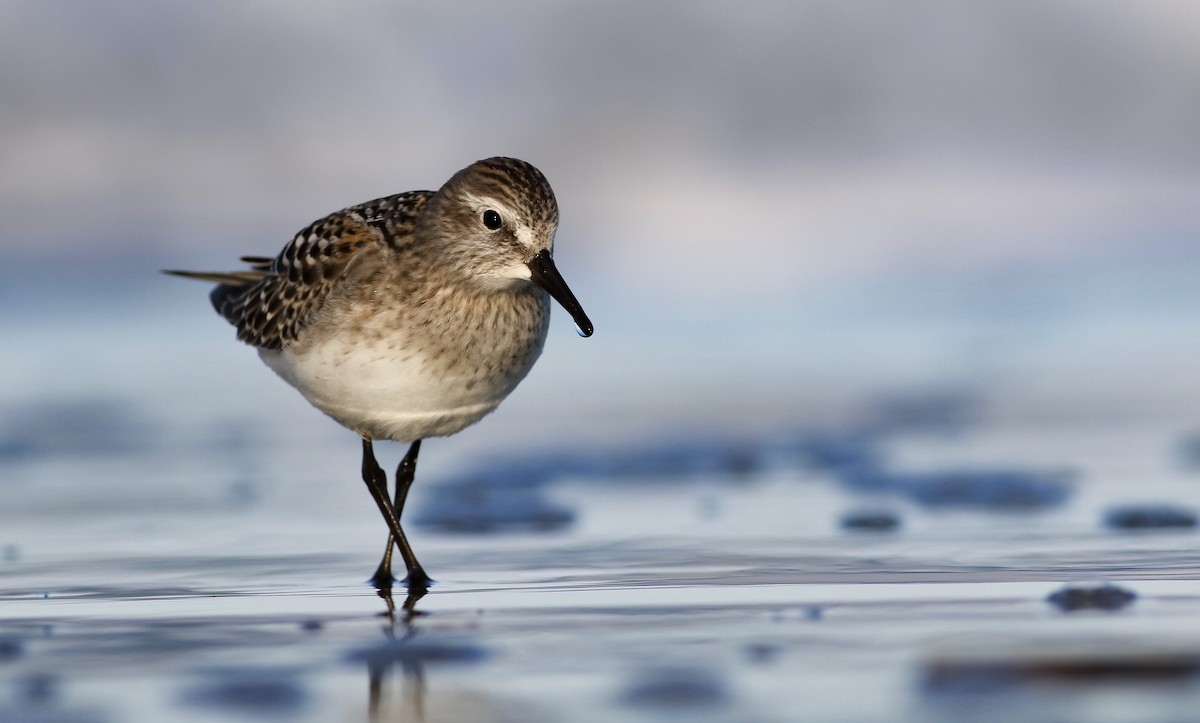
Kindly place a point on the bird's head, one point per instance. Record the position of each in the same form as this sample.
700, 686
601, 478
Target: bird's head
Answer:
495, 222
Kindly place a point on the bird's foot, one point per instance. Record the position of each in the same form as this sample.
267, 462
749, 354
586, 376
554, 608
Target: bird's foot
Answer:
383, 579
417, 582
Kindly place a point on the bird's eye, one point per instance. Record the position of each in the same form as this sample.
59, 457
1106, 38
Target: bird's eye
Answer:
491, 219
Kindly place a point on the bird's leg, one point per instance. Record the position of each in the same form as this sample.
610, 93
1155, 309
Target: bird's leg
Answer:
404, 478
376, 480
417, 581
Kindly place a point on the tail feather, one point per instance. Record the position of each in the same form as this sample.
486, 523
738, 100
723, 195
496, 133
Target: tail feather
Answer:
230, 287
228, 278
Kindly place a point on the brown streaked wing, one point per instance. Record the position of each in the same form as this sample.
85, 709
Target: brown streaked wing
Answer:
272, 311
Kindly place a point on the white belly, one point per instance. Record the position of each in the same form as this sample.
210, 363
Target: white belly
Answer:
381, 391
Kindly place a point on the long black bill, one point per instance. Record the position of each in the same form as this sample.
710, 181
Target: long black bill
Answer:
545, 274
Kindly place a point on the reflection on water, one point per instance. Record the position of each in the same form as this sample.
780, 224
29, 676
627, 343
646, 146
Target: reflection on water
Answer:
407, 650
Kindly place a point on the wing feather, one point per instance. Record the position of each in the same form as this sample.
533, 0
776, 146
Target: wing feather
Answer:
271, 303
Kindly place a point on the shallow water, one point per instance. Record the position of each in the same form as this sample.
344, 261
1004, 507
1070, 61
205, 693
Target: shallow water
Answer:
715, 597
181, 538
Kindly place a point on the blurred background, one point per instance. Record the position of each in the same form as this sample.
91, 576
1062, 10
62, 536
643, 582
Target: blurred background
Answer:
774, 212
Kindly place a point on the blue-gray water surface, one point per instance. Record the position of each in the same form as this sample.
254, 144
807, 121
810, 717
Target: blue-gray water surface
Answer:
182, 538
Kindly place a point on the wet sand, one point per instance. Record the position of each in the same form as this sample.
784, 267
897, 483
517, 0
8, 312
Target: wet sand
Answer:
669, 586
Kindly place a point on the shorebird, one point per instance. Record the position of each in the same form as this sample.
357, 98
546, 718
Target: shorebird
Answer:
408, 317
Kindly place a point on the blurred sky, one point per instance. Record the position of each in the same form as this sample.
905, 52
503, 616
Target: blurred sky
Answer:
753, 193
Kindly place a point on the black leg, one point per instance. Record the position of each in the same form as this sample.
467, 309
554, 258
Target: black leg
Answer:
382, 579
417, 581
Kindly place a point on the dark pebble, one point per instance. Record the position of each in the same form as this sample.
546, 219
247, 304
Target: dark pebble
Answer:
870, 521
1149, 517
1091, 597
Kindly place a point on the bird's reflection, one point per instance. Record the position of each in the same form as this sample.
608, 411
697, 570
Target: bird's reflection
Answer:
399, 626
408, 609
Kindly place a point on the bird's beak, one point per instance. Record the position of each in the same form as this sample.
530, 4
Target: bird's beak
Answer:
543, 273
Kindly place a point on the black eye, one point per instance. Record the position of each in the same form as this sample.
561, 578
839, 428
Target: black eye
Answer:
491, 219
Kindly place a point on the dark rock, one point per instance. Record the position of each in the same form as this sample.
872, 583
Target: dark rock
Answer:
1091, 597
871, 521
1149, 517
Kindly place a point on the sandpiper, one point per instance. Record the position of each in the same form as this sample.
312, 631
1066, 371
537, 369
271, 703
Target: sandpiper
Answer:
410, 316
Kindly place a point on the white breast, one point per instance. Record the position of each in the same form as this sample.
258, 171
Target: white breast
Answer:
382, 391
